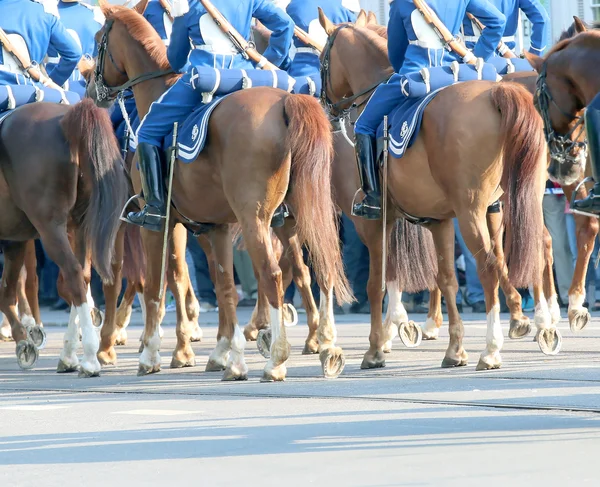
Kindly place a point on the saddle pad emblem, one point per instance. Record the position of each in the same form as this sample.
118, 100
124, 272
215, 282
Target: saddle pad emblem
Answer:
404, 129
195, 132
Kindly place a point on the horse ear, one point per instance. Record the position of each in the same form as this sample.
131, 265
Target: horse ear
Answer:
105, 7
579, 25
372, 18
327, 24
361, 19
140, 7
535, 61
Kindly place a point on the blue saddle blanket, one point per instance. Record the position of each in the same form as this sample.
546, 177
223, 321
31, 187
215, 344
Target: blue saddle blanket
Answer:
14, 96
192, 134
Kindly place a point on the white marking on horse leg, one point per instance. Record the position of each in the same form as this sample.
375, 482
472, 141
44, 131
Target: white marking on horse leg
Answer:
5, 329
220, 354
430, 329
68, 354
150, 357
90, 341
326, 332
280, 348
494, 338
396, 314
554, 309
542, 317
236, 365
89, 298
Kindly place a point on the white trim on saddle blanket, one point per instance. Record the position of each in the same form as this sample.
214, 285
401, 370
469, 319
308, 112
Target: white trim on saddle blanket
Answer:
192, 135
14, 96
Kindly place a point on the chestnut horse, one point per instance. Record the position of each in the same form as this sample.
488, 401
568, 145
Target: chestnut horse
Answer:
276, 147
68, 157
447, 165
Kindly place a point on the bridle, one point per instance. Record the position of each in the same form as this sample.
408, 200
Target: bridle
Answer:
561, 146
104, 92
336, 109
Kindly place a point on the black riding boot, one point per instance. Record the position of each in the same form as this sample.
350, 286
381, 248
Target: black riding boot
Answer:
591, 204
152, 216
370, 207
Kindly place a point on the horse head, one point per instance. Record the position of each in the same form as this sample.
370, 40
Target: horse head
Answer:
353, 63
565, 86
129, 49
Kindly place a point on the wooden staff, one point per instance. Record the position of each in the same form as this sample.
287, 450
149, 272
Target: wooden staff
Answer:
167, 8
307, 39
502, 48
443, 33
24, 63
241, 44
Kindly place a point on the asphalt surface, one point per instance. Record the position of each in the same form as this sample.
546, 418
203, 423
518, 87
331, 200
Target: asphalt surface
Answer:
534, 422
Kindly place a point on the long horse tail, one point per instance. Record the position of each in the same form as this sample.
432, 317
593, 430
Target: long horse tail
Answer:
412, 260
95, 149
310, 141
522, 181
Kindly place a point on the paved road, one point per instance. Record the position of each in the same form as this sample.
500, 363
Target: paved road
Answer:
534, 422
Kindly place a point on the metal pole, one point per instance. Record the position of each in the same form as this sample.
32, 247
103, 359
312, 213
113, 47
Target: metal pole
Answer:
384, 243
172, 160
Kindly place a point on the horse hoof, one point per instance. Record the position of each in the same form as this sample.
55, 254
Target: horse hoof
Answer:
235, 372
179, 364
449, 362
65, 368
97, 317
373, 362
87, 373
430, 333
310, 348
147, 369
519, 328
549, 341
107, 357
263, 342
410, 334
579, 319
290, 315
27, 354
250, 333
121, 338
38, 336
196, 335
276, 374
491, 363
332, 362
214, 366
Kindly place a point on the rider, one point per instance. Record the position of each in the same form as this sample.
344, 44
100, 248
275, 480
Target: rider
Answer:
82, 21
305, 14
209, 47
534, 11
32, 27
413, 45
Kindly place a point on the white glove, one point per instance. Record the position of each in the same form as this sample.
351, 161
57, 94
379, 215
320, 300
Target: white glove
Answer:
180, 8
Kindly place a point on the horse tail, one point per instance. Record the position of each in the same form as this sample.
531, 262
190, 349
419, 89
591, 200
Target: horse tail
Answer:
412, 260
95, 149
311, 144
522, 181
134, 263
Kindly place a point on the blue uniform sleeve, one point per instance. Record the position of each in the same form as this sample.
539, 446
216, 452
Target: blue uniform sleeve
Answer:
397, 38
179, 46
70, 53
494, 22
282, 27
538, 16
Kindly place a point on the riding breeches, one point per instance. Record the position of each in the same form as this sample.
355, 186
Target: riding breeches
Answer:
386, 97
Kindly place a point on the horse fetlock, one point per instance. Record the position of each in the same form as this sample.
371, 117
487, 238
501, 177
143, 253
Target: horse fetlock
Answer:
121, 337
183, 357
489, 360
274, 373
219, 356
519, 328
107, 356
455, 357
311, 346
430, 329
196, 335
373, 359
149, 361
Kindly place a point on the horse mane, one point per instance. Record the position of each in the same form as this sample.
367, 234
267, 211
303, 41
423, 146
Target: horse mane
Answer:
380, 30
373, 36
141, 31
583, 38
572, 32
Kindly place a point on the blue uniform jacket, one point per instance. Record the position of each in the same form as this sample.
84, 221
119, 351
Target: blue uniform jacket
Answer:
82, 22
305, 15
40, 28
534, 11
413, 46
195, 25
156, 15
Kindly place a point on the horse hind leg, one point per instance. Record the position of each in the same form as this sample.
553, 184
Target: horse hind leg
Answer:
124, 311
26, 351
435, 318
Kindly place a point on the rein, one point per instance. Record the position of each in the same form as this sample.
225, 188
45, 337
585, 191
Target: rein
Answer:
334, 107
105, 92
561, 146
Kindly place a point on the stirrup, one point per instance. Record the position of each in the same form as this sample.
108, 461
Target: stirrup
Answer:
359, 190
573, 196
124, 211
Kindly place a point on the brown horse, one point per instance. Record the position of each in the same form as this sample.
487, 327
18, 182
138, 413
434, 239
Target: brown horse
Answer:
574, 89
275, 147
447, 165
60, 169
